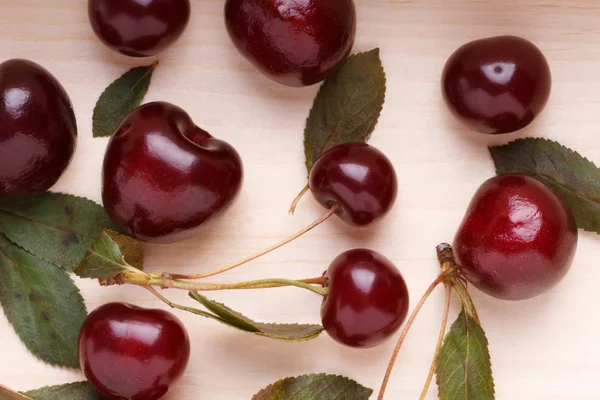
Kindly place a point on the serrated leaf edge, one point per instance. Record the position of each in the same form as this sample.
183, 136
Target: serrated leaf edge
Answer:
318, 376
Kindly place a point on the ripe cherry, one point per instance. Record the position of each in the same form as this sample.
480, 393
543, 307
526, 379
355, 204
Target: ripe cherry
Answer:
359, 179
367, 300
496, 85
517, 239
164, 178
139, 28
293, 42
132, 353
38, 131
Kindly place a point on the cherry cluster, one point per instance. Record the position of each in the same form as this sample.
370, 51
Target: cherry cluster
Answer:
164, 178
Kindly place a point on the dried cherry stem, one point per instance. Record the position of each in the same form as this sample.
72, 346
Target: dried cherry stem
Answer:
292, 209
153, 279
444, 325
266, 251
441, 278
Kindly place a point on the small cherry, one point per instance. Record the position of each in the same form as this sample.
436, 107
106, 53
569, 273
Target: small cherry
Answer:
139, 28
164, 178
38, 131
517, 239
130, 353
296, 43
496, 85
359, 179
367, 301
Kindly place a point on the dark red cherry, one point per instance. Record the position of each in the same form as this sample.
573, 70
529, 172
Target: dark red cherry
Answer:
164, 178
139, 28
367, 301
131, 353
38, 131
497, 85
293, 42
517, 239
358, 178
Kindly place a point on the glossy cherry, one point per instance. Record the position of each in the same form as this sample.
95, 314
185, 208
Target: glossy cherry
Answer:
517, 239
293, 42
368, 299
139, 28
164, 178
131, 353
358, 178
38, 131
497, 85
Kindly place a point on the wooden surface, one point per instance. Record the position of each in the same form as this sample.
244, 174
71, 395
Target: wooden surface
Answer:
547, 348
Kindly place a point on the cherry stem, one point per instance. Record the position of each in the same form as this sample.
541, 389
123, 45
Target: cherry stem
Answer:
441, 278
292, 209
177, 306
266, 251
142, 279
9, 394
447, 299
448, 263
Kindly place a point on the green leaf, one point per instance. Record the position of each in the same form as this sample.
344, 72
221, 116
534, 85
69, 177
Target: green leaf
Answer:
573, 177
120, 98
58, 228
110, 255
42, 303
70, 391
347, 106
315, 387
229, 317
464, 369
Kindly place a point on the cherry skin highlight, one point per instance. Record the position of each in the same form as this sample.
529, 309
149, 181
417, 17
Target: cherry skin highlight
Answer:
368, 299
139, 28
517, 239
130, 353
497, 85
359, 179
293, 42
38, 131
164, 178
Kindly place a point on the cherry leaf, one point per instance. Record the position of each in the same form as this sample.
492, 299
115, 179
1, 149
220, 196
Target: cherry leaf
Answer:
70, 391
120, 98
111, 254
347, 106
464, 369
315, 387
229, 317
55, 227
42, 303
573, 177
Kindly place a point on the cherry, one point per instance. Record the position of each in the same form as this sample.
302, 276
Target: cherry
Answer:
139, 28
359, 179
164, 178
131, 353
517, 239
38, 131
497, 85
293, 42
367, 300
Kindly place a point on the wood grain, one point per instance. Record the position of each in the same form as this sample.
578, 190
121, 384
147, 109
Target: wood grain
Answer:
545, 348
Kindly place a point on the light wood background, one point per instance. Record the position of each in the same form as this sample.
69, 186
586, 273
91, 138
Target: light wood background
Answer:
546, 348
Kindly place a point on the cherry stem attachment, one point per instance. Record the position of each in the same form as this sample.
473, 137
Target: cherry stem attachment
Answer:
315, 285
447, 300
441, 278
266, 251
292, 209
